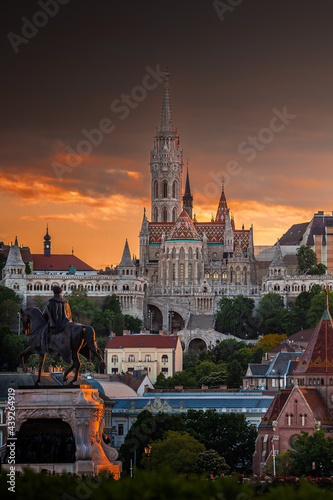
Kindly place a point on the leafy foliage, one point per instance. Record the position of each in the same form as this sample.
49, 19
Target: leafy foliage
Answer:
316, 449
234, 315
307, 262
268, 342
211, 462
228, 434
178, 451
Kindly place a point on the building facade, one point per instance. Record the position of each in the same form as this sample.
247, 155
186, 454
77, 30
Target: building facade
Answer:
154, 354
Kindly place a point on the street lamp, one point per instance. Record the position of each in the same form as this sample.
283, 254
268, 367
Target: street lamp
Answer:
19, 323
171, 316
150, 317
147, 453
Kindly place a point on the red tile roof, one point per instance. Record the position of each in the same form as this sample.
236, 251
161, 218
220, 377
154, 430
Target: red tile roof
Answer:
318, 355
276, 407
317, 405
59, 262
302, 335
284, 347
142, 340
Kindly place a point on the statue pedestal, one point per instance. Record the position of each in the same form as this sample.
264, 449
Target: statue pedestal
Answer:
41, 414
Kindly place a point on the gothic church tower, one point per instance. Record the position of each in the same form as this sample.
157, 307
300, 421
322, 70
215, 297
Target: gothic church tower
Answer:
166, 165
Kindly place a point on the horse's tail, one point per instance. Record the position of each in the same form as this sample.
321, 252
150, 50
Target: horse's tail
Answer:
89, 337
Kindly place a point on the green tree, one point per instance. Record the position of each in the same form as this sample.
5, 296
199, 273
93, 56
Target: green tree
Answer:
234, 315
118, 325
112, 303
234, 374
316, 449
211, 462
178, 451
268, 308
8, 293
307, 261
11, 344
282, 465
229, 434
27, 268
8, 313
317, 307
132, 324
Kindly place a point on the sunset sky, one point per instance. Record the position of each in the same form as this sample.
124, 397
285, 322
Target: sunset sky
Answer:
234, 74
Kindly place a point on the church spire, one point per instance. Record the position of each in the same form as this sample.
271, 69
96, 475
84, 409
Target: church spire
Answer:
188, 198
47, 243
222, 209
166, 117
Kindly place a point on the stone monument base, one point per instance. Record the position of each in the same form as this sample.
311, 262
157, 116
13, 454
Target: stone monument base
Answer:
59, 429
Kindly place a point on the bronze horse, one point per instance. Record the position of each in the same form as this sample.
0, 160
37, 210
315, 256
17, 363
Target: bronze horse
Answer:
74, 339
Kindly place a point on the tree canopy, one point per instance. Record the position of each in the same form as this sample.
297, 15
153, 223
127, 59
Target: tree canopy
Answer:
313, 455
234, 315
307, 261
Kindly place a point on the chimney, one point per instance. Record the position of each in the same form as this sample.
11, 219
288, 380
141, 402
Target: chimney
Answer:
112, 334
204, 387
161, 332
179, 387
167, 333
126, 332
146, 388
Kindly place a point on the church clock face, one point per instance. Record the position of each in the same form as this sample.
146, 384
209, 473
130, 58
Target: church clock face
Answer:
47, 246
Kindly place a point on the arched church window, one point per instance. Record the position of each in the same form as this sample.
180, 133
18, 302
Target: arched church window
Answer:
238, 275
182, 253
197, 253
190, 272
156, 189
174, 189
216, 276
174, 253
174, 215
155, 215
165, 189
190, 253
165, 215
173, 272
181, 272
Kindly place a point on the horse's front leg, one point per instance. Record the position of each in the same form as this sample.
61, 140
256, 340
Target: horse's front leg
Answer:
40, 367
77, 364
67, 372
22, 357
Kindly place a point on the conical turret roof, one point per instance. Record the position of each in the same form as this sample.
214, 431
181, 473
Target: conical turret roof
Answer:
318, 355
126, 260
184, 229
277, 257
14, 256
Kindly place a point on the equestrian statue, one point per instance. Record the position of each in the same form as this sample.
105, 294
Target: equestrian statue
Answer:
54, 331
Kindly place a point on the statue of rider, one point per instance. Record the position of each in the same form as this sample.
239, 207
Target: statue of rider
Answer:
57, 312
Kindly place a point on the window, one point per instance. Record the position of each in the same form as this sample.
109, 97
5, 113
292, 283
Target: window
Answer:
173, 272
173, 253
156, 189
165, 215
174, 215
174, 189
165, 371
114, 359
190, 272
120, 429
181, 272
190, 253
216, 276
182, 253
131, 358
147, 357
130, 370
155, 215
165, 189
114, 370
164, 358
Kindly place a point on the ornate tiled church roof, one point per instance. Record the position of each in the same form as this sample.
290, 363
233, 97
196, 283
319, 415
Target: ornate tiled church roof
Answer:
184, 229
318, 356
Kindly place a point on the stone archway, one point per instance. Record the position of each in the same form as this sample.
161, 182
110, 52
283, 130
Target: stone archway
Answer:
154, 318
197, 345
176, 322
45, 440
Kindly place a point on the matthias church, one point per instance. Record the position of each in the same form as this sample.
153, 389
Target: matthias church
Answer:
184, 266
